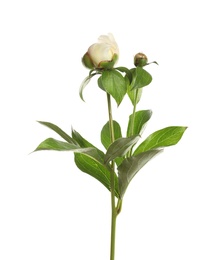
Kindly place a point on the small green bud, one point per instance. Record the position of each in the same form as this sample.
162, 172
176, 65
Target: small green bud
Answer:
140, 60
87, 61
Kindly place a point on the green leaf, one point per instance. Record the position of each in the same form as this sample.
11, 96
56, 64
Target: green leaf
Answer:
58, 131
126, 71
85, 144
120, 147
114, 84
134, 94
87, 159
136, 125
141, 78
56, 145
97, 170
105, 133
130, 166
165, 137
99, 81
85, 83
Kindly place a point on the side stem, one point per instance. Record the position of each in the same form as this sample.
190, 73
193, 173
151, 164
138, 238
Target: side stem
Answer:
133, 119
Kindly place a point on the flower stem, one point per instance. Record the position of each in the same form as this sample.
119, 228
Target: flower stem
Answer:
133, 120
112, 183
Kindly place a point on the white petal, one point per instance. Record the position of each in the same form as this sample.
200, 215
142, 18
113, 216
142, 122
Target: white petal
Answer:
100, 52
110, 40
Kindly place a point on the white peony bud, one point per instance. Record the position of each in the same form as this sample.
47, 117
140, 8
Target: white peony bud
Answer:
103, 54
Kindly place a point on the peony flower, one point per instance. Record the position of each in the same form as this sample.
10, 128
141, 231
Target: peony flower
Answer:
103, 54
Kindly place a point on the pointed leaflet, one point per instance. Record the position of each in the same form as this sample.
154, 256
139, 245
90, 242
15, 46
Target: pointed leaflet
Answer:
114, 84
130, 166
97, 170
85, 144
165, 137
120, 147
58, 131
105, 133
134, 94
56, 145
85, 83
86, 159
141, 78
136, 125
106, 138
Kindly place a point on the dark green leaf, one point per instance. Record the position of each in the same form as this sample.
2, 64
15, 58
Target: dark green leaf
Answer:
85, 83
120, 147
114, 84
85, 144
86, 159
56, 145
141, 78
105, 133
136, 124
106, 139
97, 170
165, 137
58, 131
130, 166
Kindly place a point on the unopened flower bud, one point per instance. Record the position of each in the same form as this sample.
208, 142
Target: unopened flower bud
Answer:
103, 54
140, 60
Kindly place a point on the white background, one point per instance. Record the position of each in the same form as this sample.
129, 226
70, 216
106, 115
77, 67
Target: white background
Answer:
51, 210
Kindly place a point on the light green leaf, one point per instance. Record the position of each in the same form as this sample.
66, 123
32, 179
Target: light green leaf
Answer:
97, 170
134, 94
120, 147
58, 131
136, 124
141, 78
114, 83
126, 71
130, 166
165, 137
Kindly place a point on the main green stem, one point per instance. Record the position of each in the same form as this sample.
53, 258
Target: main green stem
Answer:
112, 183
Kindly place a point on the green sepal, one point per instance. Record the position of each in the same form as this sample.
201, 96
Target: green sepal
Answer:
130, 166
136, 124
162, 138
120, 147
108, 64
87, 61
114, 83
